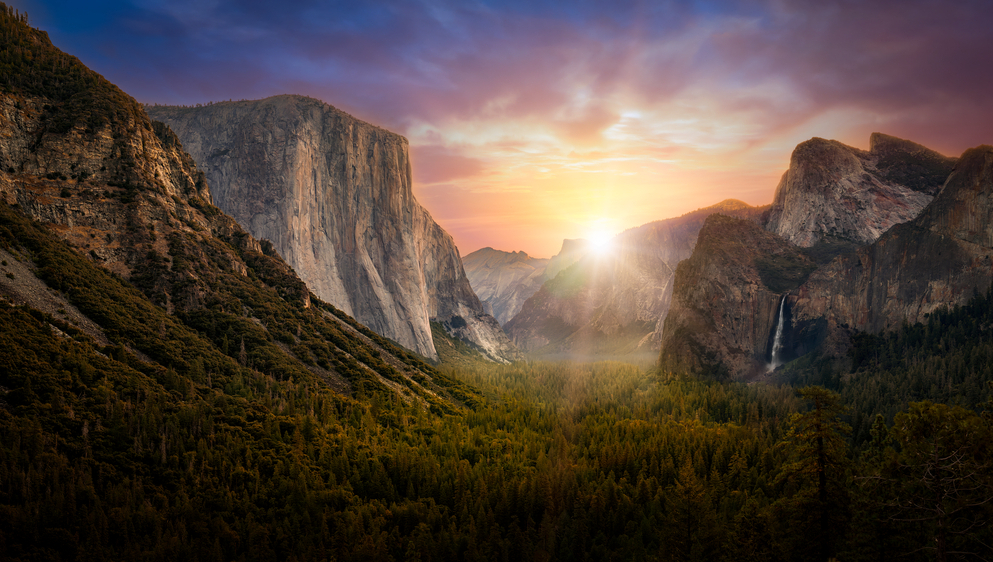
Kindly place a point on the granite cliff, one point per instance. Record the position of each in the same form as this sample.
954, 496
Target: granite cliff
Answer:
834, 192
333, 195
572, 250
107, 226
504, 280
616, 302
938, 259
727, 300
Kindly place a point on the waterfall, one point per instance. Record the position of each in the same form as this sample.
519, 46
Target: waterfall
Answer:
777, 341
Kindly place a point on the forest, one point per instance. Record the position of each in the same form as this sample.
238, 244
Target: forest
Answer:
264, 424
225, 455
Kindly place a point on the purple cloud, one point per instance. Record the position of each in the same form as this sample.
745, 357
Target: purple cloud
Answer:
510, 93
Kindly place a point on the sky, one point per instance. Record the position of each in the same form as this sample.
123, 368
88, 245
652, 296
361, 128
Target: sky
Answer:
533, 121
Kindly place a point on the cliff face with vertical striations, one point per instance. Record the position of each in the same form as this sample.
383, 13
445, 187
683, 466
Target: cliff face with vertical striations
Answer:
938, 259
334, 196
834, 191
107, 226
727, 297
615, 303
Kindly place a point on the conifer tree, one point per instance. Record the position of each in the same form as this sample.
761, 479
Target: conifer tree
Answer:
815, 474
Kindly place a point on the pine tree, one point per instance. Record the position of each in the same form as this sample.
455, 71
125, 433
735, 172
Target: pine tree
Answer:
818, 457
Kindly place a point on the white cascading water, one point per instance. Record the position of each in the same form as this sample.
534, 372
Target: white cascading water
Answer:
777, 340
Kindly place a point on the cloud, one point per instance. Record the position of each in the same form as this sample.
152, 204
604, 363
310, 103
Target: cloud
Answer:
532, 101
437, 164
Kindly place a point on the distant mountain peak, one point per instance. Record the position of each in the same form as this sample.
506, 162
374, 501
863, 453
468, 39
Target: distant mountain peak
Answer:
615, 304
504, 280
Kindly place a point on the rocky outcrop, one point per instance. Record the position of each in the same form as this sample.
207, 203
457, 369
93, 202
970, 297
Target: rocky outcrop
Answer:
86, 181
836, 192
89, 183
721, 321
334, 196
727, 299
615, 302
504, 280
938, 259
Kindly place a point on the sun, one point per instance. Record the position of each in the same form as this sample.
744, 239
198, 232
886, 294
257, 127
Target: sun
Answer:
601, 242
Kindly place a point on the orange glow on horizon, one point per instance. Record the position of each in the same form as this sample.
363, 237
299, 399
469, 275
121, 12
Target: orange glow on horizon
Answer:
529, 170
533, 201
529, 122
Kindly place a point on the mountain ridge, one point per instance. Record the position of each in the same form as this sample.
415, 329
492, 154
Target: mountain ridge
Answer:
135, 254
615, 303
504, 280
939, 259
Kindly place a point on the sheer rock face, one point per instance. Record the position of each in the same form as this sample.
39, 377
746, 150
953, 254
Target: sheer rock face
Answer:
334, 196
726, 295
504, 280
617, 302
834, 190
726, 300
935, 260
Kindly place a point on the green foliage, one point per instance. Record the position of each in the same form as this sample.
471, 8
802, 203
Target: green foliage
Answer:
782, 272
948, 358
555, 460
164, 442
828, 248
31, 66
817, 496
202, 451
929, 482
